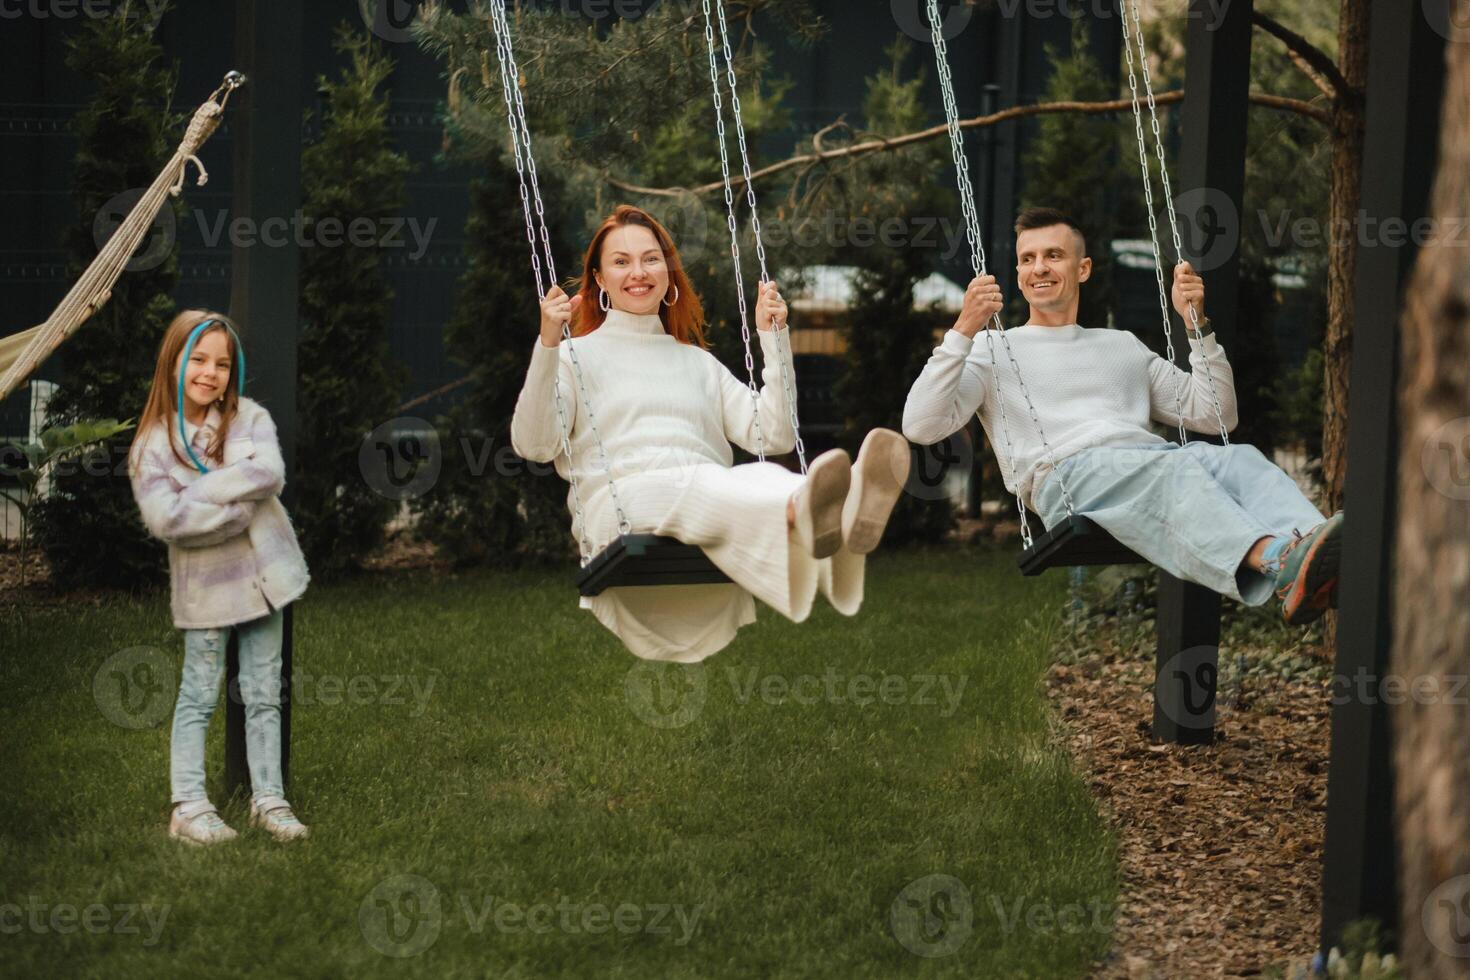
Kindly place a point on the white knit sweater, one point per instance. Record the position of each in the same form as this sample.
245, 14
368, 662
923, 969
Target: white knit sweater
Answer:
1091, 387
658, 404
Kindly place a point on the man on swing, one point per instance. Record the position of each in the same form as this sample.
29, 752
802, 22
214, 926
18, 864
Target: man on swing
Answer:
1222, 516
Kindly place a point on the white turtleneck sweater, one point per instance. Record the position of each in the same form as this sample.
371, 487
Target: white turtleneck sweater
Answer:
1091, 388
658, 404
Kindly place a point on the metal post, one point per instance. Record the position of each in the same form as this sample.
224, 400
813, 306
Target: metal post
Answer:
1404, 90
1211, 185
265, 120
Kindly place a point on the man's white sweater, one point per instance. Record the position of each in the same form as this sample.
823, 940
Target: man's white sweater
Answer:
1091, 387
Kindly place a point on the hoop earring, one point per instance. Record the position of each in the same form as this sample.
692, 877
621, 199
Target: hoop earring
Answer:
604, 302
676, 296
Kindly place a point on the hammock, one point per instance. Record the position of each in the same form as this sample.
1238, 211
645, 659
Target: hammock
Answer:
22, 353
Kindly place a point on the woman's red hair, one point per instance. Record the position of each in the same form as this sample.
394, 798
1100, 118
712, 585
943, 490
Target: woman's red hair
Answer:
684, 321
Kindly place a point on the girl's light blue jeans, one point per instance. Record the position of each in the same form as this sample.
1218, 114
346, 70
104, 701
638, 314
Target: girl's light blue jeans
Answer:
1193, 510
260, 689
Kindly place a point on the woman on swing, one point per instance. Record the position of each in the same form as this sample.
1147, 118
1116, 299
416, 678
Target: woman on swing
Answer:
667, 411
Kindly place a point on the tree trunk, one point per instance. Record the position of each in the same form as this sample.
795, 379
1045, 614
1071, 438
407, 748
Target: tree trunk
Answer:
1432, 592
1342, 257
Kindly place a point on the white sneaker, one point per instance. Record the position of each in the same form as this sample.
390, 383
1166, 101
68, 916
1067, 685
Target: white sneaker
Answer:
273, 815
818, 504
199, 823
878, 478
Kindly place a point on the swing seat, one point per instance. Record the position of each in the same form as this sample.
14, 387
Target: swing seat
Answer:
647, 559
1075, 541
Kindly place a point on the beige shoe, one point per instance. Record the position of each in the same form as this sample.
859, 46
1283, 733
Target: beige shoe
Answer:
273, 815
878, 478
199, 823
818, 504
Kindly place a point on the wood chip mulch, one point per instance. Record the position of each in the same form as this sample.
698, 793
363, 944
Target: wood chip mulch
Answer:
1220, 845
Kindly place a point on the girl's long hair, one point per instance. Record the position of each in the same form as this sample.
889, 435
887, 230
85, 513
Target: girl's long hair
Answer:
163, 397
684, 321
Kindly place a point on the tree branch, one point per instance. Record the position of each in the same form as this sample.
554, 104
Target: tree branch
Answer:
1312, 60
810, 160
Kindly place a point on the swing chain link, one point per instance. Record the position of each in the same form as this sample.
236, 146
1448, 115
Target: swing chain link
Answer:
1168, 201
526, 172
977, 263
782, 336
1153, 225
734, 227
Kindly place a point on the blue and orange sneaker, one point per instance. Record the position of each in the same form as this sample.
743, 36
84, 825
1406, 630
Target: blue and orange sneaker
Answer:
1306, 572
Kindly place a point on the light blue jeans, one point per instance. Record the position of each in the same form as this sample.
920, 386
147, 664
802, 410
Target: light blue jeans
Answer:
260, 689
1192, 510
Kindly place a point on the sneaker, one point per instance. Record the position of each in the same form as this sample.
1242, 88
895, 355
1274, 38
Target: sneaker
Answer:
1306, 580
199, 823
818, 504
273, 815
878, 477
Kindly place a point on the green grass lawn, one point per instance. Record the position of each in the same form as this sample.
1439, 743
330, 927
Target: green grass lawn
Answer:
496, 788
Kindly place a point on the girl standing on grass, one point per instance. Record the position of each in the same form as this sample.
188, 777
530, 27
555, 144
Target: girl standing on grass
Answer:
207, 472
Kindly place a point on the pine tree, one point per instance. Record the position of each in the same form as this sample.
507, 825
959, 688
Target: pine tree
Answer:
347, 383
89, 525
489, 506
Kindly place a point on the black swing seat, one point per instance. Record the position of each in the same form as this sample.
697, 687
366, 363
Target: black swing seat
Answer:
647, 559
1075, 541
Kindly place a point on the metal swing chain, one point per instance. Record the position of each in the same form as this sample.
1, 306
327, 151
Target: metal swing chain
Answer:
977, 264
782, 337
1169, 199
1153, 225
714, 80
526, 170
